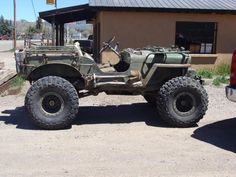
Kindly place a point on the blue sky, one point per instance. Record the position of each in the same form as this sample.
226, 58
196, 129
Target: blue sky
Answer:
25, 8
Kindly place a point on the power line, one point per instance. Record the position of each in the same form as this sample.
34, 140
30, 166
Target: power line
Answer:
32, 2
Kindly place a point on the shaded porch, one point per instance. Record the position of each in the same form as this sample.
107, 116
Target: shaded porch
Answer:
59, 17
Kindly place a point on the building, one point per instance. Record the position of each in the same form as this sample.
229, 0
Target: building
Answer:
207, 28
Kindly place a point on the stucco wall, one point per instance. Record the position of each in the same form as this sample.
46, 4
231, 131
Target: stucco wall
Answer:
139, 29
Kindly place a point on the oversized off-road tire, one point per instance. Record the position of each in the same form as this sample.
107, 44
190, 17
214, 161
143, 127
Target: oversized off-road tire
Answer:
182, 102
151, 99
52, 103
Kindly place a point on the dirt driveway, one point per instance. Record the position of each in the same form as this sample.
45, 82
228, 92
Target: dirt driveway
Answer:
8, 45
119, 136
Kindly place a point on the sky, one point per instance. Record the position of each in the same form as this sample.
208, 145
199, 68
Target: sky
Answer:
25, 8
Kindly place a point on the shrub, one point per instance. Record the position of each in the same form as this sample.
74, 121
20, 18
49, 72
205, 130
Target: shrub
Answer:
222, 70
206, 73
220, 80
17, 81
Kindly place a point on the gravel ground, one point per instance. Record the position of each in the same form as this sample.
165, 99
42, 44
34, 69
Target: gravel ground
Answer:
8, 59
119, 136
7, 56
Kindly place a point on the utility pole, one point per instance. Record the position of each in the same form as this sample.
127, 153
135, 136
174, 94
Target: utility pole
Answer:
14, 27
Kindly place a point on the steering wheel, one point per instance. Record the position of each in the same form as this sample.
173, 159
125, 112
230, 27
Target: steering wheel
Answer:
107, 44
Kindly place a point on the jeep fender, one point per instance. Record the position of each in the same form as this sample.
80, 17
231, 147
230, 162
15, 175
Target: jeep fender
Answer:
55, 69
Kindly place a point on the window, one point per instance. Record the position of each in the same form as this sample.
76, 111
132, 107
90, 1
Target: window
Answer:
197, 37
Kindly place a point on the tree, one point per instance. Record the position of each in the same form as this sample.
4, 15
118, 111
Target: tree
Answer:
31, 31
1, 19
5, 27
39, 24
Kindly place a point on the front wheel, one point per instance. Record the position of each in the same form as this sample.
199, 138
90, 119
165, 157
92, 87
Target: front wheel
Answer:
182, 102
52, 103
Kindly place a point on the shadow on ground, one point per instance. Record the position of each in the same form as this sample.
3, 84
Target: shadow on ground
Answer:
140, 112
221, 134
17, 117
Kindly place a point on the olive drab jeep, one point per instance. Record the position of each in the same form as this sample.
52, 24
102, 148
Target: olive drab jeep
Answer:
59, 76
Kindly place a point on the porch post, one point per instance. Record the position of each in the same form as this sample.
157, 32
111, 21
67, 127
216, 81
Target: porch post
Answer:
53, 33
57, 34
62, 30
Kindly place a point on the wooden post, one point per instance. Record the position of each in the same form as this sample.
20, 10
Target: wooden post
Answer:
53, 33
62, 34
57, 35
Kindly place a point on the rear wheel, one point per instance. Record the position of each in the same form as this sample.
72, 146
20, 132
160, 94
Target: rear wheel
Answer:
182, 102
52, 103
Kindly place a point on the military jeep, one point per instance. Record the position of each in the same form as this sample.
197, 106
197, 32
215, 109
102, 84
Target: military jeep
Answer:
59, 76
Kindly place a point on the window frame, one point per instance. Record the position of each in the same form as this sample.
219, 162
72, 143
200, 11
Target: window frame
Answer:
205, 30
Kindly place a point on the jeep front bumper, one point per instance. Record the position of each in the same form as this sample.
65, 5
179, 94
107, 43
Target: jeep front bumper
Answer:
231, 93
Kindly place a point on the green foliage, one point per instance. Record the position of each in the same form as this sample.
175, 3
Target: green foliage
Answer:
5, 27
38, 28
31, 30
17, 81
39, 25
222, 70
206, 73
220, 80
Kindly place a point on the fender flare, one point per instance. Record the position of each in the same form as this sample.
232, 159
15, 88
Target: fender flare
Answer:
54, 69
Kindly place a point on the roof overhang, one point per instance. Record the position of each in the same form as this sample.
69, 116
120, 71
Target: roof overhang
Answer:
167, 10
195, 6
69, 14
88, 12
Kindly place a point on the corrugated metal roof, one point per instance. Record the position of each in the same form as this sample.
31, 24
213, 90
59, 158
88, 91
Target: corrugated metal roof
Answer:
228, 5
